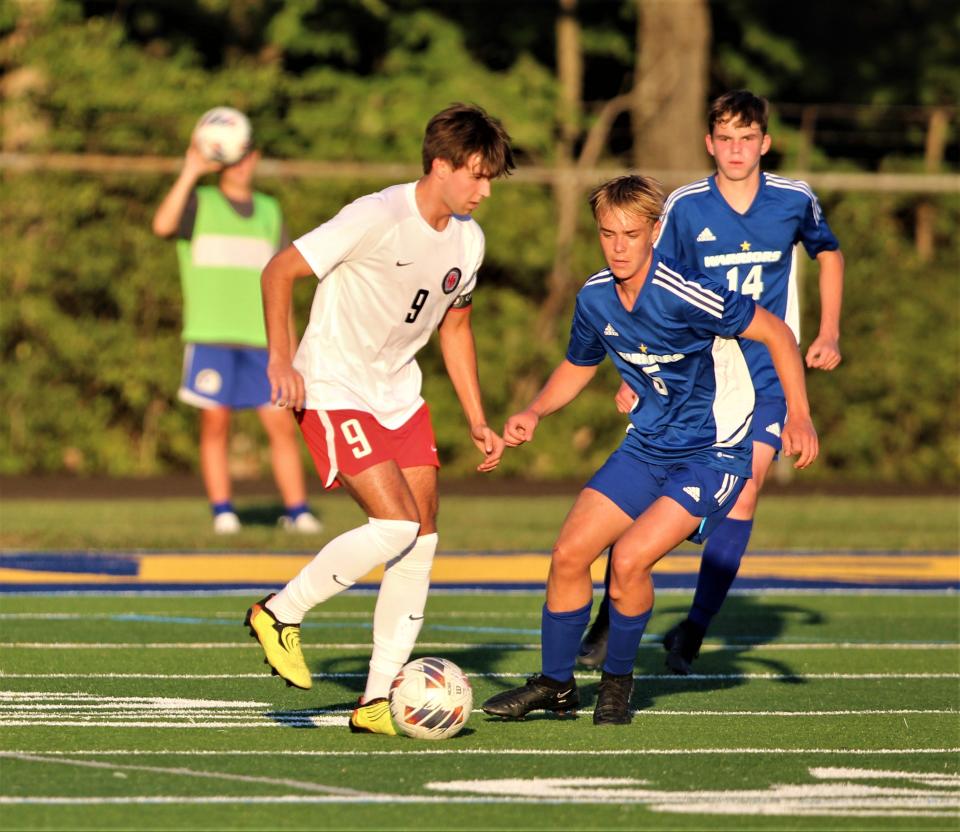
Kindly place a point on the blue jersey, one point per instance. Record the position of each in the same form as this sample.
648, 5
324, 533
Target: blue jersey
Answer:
752, 253
677, 349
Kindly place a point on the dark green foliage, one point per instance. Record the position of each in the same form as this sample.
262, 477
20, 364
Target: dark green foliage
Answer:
89, 330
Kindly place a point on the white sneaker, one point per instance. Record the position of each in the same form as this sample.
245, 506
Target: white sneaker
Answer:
226, 523
305, 523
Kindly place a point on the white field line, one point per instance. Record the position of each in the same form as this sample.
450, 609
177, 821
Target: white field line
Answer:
646, 677
740, 646
919, 806
475, 752
71, 715
192, 773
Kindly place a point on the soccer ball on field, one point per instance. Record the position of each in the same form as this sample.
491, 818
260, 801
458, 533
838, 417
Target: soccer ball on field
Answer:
431, 699
223, 135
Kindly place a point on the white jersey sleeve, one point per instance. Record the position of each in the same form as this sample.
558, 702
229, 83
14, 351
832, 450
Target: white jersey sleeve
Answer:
355, 230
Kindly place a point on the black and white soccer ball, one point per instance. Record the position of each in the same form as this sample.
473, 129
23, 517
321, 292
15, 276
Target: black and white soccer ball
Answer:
223, 134
431, 699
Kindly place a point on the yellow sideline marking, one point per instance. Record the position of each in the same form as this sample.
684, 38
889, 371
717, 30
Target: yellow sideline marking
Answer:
527, 567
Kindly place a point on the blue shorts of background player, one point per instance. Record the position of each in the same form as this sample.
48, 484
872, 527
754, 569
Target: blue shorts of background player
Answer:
224, 376
634, 485
769, 414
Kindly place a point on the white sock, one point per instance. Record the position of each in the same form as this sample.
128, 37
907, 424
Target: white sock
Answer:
399, 614
340, 564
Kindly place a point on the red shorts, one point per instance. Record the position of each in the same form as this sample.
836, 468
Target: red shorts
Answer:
352, 441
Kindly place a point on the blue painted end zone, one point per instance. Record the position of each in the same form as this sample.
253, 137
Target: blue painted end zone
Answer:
664, 582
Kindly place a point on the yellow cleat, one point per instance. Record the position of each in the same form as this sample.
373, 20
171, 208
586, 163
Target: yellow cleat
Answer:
372, 717
280, 643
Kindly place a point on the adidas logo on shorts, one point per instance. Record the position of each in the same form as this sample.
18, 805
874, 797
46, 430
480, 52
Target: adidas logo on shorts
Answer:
692, 491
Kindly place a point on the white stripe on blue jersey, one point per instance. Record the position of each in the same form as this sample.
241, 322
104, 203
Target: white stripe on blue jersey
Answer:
698, 187
735, 397
691, 291
798, 185
602, 276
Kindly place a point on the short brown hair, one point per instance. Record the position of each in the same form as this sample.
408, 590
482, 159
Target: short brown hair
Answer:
739, 107
461, 130
640, 196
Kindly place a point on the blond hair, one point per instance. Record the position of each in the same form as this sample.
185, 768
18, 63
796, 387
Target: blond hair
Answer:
640, 196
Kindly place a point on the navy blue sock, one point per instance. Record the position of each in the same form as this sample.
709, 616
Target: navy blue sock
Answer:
221, 508
625, 634
721, 561
293, 512
560, 634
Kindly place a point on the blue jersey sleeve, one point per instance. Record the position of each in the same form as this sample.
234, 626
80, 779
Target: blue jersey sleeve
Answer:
708, 307
814, 232
585, 348
668, 242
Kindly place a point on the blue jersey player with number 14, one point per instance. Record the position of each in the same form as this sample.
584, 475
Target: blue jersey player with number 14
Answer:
742, 227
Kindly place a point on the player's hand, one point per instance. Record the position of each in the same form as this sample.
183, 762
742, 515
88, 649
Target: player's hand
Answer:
490, 445
197, 164
286, 385
824, 353
800, 438
520, 428
626, 399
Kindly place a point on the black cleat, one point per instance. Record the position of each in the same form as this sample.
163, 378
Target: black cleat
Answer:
613, 700
541, 693
682, 644
593, 648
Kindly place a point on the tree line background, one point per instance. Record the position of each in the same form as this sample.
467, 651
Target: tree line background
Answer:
89, 323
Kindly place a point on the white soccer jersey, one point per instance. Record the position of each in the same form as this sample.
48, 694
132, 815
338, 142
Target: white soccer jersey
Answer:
387, 278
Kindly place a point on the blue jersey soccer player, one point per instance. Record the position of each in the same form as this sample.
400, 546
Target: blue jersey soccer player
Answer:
742, 227
671, 332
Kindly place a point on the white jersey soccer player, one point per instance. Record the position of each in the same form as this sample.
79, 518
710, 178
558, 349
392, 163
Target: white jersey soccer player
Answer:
387, 278
392, 267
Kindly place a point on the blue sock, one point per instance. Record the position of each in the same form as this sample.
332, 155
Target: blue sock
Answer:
293, 512
625, 634
560, 634
221, 508
721, 561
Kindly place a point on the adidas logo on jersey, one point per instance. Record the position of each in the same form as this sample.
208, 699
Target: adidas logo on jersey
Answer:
706, 236
611, 331
774, 428
693, 491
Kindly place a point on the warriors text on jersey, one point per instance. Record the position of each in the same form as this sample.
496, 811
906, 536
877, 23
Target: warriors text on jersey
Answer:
752, 253
677, 349
387, 278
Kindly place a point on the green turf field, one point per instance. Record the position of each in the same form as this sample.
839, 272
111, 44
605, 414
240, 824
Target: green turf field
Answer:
479, 523
808, 711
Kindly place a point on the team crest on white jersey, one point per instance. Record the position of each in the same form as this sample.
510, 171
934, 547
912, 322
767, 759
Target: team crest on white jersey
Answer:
774, 428
692, 491
611, 331
706, 236
451, 280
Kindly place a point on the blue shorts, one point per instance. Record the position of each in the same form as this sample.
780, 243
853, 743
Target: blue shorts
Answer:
634, 485
218, 376
769, 415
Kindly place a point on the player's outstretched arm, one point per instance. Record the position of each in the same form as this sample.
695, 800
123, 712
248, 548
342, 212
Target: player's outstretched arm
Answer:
824, 352
563, 386
276, 283
799, 436
460, 358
